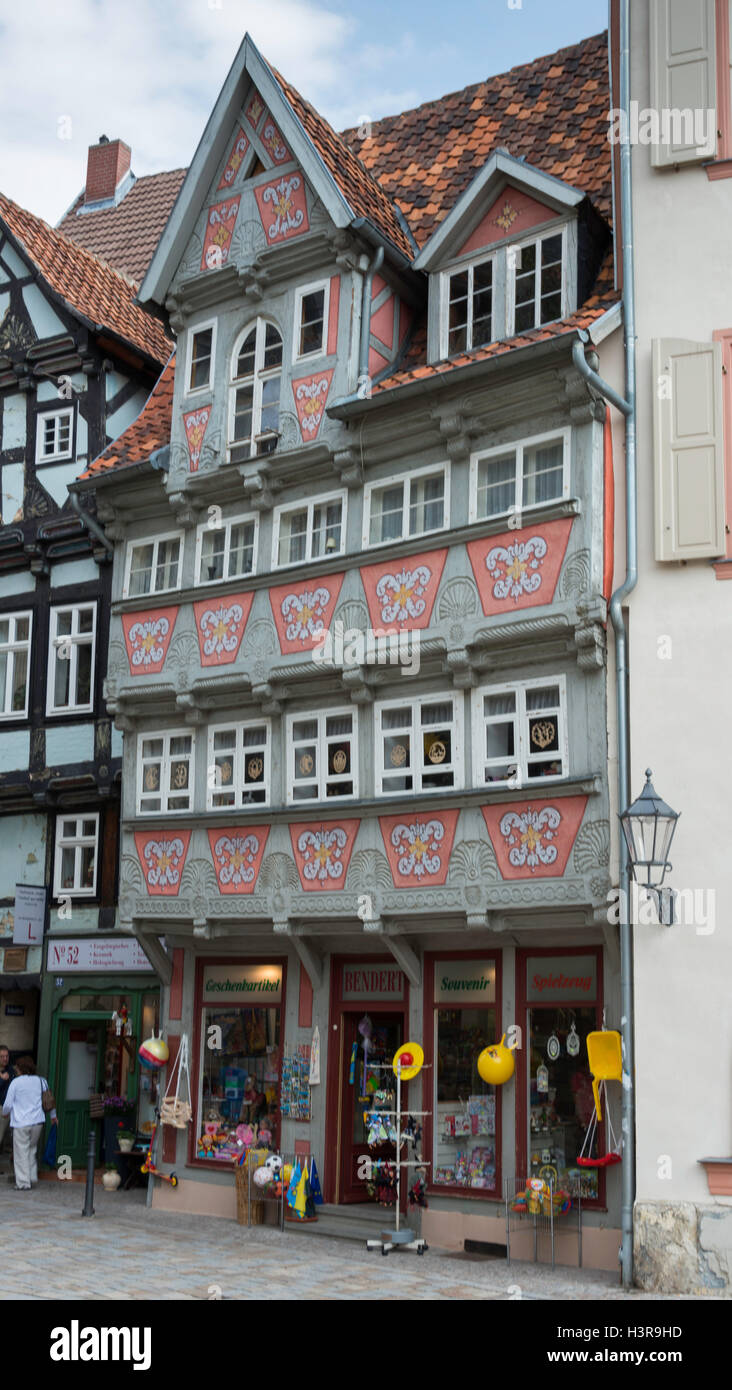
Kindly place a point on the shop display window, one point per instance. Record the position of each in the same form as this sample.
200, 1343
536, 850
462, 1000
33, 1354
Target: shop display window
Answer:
239, 1080
560, 1097
465, 1144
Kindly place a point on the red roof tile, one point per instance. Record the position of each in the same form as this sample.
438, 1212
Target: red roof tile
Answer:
126, 236
150, 431
89, 286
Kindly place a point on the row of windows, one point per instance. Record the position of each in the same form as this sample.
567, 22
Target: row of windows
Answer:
71, 656
534, 276
519, 736
309, 340
503, 480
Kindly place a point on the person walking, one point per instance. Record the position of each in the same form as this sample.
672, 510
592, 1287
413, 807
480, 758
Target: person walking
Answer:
24, 1104
6, 1075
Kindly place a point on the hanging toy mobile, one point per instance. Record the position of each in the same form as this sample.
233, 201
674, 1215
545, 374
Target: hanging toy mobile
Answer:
604, 1053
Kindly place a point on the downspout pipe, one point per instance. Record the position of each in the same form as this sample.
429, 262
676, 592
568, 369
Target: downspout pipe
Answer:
363, 354
92, 525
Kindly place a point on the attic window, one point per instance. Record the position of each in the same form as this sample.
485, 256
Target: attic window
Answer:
254, 402
536, 270
470, 307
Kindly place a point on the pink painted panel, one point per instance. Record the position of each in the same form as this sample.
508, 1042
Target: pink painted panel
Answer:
220, 624
147, 638
237, 853
401, 593
255, 110
302, 609
162, 856
377, 362
283, 207
220, 223
519, 569
333, 306
382, 323
311, 396
233, 163
418, 847
533, 839
322, 851
195, 423
273, 142
511, 214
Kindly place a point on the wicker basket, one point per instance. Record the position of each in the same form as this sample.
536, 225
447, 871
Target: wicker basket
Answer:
247, 1213
175, 1112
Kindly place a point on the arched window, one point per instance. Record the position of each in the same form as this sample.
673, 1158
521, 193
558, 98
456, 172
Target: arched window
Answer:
254, 409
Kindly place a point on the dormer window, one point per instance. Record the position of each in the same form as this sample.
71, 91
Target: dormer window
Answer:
536, 281
470, 307
519, 286
254, 402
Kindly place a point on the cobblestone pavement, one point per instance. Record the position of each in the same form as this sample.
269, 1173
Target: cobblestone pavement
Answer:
127, 1251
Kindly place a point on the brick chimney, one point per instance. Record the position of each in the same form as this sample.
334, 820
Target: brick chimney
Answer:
107, 165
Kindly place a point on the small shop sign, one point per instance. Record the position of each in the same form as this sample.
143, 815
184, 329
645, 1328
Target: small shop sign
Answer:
364, 981
465, 981
566, 979
29, 914
77, 954
242, 984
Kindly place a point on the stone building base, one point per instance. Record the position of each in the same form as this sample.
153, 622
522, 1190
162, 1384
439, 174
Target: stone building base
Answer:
682, 1247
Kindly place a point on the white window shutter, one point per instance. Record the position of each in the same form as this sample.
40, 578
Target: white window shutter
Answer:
683, 80
688, 449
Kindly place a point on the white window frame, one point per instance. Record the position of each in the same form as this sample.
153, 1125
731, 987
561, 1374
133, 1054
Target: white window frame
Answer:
520, 778
76, 639
227, 525
167, 736
77, 842
379, 484
309, 504
154, 541
67, 412
300, 293
11, 648
260, 374
511, 268
457, 766
240, 755
320, 716
564, 433
191, 334
455, 269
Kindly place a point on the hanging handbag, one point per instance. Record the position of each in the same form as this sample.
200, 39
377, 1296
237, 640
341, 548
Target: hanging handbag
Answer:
47, 1100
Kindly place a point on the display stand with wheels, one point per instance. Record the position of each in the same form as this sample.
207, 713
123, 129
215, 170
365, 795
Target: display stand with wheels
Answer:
407, 1063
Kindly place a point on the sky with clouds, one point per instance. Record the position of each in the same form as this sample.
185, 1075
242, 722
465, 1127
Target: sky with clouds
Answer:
149, 71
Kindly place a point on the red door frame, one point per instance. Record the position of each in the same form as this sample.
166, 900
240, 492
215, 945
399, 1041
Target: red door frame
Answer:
428, 1075
331, 1179
521, 1054
203, 963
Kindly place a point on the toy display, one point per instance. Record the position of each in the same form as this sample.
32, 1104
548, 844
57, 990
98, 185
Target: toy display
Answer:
295, 1083
605, 1056
538, 1198
386, 1175
153, 1053
149, 1165
175, 1108
239, 1084
496, 1063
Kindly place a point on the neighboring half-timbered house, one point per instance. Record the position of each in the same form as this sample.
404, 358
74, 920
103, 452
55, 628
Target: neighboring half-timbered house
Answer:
363, 553
78, 359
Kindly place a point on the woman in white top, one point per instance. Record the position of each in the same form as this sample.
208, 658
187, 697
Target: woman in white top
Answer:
24, 1106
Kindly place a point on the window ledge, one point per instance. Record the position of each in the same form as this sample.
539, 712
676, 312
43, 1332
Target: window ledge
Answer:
719, 169
722, 568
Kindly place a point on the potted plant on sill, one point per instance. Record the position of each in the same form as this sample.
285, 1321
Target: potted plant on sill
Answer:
110, 1177
125, 1140
118, 1115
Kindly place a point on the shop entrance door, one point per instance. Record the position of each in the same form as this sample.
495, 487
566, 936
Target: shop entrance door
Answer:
357, 1096
80, 1069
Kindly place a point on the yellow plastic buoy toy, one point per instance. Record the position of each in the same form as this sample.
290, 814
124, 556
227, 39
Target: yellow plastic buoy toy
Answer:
496, 1063
411, 1056
605, 1056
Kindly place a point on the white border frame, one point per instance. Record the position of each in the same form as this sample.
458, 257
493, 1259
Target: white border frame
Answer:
300, 293
78, 842
42, 460
320, 716
309, 503
191, 332
378, 483
519, 688
154, 541
238, 780
166, 735
456, 268
76, 639
11, 648
226, 525
518, 445
415, 704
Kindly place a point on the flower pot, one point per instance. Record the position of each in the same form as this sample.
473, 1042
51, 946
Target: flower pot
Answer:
719, 1176
111, 1181
125, 1145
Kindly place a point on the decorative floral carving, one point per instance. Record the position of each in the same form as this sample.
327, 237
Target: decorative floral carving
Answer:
220, 222
278, 871
235, 859
273, 142
530, 835
282, 207
401, 595
576, 575
305, 613
146, 640
592, 847
194, 424
233, 163
322, 851
311, 394
417, 844
515, 568
163, 860
473, 861
219, 628
369, 869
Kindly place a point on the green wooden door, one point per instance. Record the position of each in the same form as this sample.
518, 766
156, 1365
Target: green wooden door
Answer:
81, 1059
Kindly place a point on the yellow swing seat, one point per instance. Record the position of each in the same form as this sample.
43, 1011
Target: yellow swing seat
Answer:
605, 1055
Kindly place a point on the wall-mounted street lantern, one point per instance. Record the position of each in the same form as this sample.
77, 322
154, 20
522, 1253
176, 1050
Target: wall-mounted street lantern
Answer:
648, 826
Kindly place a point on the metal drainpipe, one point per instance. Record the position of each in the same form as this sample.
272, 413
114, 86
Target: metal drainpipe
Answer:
90, 523
627, 406
363, 356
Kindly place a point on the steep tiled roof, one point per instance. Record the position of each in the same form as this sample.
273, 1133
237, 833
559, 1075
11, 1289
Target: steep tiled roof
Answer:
126, 236
359, 186
552, 113
150, 431
89, 287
